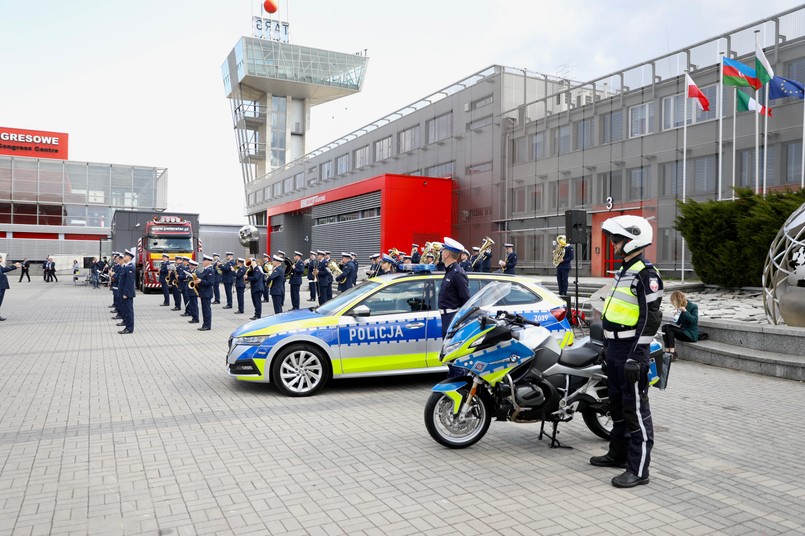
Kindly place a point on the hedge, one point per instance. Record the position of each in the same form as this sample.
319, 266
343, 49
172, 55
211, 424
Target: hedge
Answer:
729, 240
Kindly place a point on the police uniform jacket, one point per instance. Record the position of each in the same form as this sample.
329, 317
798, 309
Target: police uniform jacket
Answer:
511, 262
416, 257
354, 273
205, 282
325, 276
454, 291
163, 273
3, 278
114, 276
345, 279
311, 265
216, 276
276, 281
565, 264
228, 272
296, 272
256, 280
632, 310
127, 280
182, 275
486, 262
466, 265
240, 272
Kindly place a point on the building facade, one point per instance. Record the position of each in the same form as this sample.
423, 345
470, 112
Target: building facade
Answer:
523, 148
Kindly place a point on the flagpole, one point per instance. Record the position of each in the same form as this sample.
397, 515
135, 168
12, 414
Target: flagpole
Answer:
765, 140
720, 121
685, 162
757, 129
734, 141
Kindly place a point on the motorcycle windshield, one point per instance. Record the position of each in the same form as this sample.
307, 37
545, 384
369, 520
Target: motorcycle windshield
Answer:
486, 297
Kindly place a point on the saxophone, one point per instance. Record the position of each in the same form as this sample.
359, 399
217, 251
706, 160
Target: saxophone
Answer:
558, 254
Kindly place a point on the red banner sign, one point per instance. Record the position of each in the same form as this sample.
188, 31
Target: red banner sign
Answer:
33, 143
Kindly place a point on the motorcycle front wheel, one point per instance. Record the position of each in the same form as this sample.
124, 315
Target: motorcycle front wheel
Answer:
452, 430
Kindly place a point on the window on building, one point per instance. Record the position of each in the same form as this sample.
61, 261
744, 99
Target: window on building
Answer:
383, 149
479, 123
299, 180
671, 179
520, 150
563, 194
519, 197
287, 185
342, 164
705, 170
641, 119
711, 92
673, 111
441, 170
561, 140
611, 186
409, 139
483, 101
538, 191
583, 134
581, 191
440, 127
278, 122
538, 145
277, 189
667, 244
476, 169
638, 183
362, 157
612, 127
326, 170
793, 162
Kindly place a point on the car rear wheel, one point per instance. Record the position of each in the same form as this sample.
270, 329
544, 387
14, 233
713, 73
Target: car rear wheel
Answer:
300, 370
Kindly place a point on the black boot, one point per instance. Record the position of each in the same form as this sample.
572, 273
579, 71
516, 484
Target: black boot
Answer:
609, 460
628, 480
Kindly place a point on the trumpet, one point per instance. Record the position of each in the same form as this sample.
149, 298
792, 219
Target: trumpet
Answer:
486, 246
217, 265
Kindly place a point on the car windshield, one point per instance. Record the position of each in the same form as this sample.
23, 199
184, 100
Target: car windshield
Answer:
345, 297
477, 304
167, 243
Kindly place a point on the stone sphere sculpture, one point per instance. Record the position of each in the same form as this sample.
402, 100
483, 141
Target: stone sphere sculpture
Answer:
784, 273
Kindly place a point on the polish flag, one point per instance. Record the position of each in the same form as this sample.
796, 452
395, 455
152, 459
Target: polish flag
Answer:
695, 93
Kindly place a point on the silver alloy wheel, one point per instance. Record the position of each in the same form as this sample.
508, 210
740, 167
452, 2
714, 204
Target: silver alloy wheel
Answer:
301, 371
459, 429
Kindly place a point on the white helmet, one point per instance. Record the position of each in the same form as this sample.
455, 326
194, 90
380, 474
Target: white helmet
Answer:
636, 230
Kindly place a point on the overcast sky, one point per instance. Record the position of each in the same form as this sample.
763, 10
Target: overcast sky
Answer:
139, 82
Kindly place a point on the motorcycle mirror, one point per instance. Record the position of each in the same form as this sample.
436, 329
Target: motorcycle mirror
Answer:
361, 310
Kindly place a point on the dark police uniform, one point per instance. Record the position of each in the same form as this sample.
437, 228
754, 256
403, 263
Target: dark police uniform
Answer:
114, 284
354, 262
311, 279
192, 297
257, 281
345, 279
216, 286
296, 282
183, 274
511, 262
128, 279
240, 285
4, 282
631, 317
276, 284
325, 281
466, 265
177, 291
163, 280
563, 270
486, 262
227, 278
453, 293
267, 269
206, 287
416, 256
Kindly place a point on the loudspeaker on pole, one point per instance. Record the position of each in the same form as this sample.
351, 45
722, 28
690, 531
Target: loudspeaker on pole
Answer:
576, 226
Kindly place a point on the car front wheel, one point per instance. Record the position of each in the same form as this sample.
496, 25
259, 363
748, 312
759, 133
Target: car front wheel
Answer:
300, 370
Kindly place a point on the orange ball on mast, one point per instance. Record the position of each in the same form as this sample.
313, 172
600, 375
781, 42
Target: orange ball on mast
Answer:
271, 6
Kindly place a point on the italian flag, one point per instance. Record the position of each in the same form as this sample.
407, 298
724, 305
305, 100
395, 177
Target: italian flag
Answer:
695, 93
745, 103
762, 66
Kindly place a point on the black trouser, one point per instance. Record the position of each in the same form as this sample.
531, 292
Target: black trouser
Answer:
128, 312
240, 291
670, 332
277, 300
53, 275
206, 313
216, 291
313, 287
257, 298
632, 434
561, 279
25, 273
177, 297
166, 295
192, 305
228, 293
295, 296
322, 294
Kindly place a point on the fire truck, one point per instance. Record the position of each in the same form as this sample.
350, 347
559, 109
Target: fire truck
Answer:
162, 234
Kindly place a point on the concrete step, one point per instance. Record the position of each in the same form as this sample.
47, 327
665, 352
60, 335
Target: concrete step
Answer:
720, 354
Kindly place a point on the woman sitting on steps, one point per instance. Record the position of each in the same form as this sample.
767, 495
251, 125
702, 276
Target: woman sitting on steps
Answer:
685, 326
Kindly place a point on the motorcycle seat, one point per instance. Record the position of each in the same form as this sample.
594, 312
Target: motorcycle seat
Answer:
579, 357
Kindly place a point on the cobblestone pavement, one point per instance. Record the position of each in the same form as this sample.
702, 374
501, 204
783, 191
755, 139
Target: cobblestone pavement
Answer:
108, 434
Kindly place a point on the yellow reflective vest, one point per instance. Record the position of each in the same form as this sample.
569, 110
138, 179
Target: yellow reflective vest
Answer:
622, 307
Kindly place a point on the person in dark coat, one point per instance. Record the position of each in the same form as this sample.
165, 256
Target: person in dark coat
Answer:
563, 268
163, 280
128, 283
240, 283
345, 279
216, 287
4, 286
206, 287
313, 285
296, 278
256, 279
26, 265
228, 269
276, 283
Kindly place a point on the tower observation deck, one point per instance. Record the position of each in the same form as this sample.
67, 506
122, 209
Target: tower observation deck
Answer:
272, 86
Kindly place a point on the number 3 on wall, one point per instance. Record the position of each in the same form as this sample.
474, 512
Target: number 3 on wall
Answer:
609, 203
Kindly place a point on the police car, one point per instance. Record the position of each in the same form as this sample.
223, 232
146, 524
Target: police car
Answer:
385, 325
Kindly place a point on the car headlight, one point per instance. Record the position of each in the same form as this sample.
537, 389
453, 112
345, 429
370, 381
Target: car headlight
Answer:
250, 341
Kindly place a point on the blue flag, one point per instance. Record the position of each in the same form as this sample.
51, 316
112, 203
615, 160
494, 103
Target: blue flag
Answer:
780, 88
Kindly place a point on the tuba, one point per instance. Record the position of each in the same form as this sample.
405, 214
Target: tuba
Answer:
486, 246
288, 267
558, 254
334, 269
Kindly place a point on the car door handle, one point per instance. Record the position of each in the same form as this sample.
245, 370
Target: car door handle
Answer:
415, 325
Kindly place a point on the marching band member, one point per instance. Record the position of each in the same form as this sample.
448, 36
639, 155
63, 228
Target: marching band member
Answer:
511, 260
267, 269
345, 279
416, 257
240, 283
257, 281
354, 262
113, 285
177, 293
465, 261
387, 265
276, 283
128, 282
192, 304
486, 261
475, 262
206, 288
163, 280
311, 277
428, 258
407, 260
374, 267
216, 287
296, 278
324, 276
183, 273
228, 277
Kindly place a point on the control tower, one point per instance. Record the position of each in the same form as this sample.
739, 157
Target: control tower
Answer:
272, 85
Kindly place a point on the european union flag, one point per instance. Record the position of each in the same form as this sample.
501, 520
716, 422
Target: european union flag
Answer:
780, 88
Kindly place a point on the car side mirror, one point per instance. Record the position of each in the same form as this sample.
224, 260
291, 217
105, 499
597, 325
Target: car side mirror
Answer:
361, 310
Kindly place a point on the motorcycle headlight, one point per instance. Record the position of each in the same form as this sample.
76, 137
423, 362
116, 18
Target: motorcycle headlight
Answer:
450, 348
477, 341
250, 341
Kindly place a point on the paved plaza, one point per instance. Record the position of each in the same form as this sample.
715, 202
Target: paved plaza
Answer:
103, 433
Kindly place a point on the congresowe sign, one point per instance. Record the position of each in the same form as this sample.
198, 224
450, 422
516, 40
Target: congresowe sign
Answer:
33, 143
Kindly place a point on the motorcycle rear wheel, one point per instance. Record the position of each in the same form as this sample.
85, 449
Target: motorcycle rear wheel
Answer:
599, 423
452, 431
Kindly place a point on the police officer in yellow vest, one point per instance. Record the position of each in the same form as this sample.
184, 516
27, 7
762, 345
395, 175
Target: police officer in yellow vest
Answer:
631, 317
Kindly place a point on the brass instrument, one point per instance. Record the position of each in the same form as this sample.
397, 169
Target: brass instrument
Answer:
333, 267
172, 278
558, 254
217, 265
193, 283
486, 246
288, 267
435, 249
394, 253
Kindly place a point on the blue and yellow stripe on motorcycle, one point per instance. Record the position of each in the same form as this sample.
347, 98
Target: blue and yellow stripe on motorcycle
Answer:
451, 391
